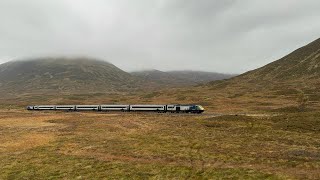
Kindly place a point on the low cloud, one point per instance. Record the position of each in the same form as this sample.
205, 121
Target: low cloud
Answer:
212, 35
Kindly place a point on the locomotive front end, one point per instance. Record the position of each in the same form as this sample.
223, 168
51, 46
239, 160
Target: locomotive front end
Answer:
200, 108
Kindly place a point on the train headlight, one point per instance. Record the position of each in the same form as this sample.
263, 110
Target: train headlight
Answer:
200, 107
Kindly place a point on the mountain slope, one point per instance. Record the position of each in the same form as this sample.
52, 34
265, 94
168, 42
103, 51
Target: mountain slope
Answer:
302, 64
63, 75
299, 69
179, 78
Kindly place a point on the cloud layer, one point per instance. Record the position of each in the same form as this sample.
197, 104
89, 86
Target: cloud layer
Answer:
212, 35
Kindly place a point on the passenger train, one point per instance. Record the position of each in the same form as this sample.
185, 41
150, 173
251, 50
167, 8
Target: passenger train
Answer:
124, 108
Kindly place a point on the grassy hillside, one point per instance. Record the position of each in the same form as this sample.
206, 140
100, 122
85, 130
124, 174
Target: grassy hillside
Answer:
294, 78
301, 65
46, 75
299, 69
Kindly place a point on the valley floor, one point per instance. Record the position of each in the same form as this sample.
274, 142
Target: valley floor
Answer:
55, 145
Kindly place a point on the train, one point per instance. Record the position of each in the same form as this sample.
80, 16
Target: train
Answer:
173, 108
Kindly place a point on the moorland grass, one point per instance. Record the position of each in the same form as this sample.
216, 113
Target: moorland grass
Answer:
99, 145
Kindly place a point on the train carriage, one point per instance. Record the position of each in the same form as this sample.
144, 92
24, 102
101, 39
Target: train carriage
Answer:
87, 107
44, 107
157, 108
65, 107
115, 107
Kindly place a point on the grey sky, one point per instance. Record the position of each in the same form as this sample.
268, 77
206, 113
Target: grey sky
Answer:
211, 35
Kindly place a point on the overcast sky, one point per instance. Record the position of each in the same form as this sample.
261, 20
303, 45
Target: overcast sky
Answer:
230, 36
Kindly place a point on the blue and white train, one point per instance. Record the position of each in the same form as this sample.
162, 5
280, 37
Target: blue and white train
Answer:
124, 108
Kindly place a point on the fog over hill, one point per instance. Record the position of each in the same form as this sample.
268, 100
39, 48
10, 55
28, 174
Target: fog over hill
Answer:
179, 78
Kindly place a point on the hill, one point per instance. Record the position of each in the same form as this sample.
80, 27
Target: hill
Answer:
67, 75
301, 65
294, 77
179, 78
288, 84
299, 71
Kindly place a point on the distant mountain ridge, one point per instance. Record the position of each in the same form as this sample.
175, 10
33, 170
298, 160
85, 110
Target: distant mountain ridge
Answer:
182, 78
63, 75
87, 75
